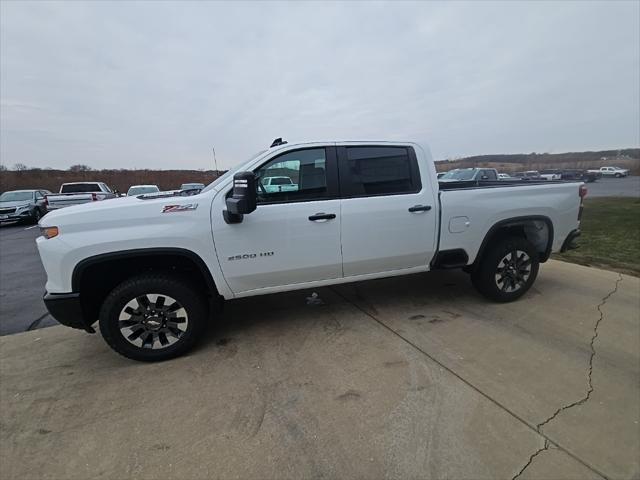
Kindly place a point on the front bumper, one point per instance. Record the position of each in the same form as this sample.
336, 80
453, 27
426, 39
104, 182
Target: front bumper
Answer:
15, 217
569, 242
66, 308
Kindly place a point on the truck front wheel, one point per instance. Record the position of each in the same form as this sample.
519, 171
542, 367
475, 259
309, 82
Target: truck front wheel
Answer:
507, 269
153, 317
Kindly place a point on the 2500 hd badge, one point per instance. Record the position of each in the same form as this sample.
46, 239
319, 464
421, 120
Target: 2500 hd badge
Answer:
247, 256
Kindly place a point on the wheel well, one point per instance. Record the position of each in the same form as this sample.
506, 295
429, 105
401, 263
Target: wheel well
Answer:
96, 277
537, 230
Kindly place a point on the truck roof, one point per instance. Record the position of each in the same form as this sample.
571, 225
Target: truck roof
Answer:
80, 183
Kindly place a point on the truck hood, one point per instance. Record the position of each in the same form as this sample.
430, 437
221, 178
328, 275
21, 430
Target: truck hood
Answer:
15, 204
115, 211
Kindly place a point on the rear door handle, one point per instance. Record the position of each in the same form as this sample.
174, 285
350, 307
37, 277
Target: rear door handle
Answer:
322, 216
420, 208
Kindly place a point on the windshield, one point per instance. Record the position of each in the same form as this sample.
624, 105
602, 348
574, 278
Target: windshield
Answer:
459, 174
229, 173
142, 190
16, 196
188, 186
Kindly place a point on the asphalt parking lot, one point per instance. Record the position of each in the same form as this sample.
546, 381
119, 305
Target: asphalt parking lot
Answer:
409, 377
615, 187
22, 280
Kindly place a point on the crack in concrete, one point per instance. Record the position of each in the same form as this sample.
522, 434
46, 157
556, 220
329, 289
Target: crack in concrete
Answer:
589, 378
534, 455
591, 358
549, 443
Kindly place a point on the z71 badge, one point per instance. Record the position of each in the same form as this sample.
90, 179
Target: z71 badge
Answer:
179, 208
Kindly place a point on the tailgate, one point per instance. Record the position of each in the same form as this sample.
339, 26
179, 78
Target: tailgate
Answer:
61, 200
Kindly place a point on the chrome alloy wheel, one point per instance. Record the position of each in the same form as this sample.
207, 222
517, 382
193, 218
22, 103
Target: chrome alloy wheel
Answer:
153, 321
513, 271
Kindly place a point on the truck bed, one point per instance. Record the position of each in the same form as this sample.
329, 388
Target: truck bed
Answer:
466, 184
470, 209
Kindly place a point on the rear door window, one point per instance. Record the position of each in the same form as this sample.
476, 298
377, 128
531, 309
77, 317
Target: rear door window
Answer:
378, 170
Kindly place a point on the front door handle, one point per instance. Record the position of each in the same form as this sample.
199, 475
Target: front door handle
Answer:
420, 208
322, 216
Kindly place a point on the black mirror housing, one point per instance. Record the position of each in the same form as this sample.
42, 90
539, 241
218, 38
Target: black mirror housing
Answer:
244, 198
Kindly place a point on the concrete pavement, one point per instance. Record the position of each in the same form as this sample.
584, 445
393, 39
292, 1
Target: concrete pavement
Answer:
413, 377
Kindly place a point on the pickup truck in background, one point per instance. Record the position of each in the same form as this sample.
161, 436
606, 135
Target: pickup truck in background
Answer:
528, 175
278, 184
153, 269
470, 174
76, 193
551, 175
616, 172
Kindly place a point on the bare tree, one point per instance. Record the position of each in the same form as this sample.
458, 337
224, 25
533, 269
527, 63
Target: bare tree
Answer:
79, 168
3, 168
20, 167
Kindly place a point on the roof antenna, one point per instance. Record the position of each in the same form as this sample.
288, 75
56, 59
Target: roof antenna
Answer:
277, 141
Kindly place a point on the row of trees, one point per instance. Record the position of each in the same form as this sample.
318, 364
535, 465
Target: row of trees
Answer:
21, 167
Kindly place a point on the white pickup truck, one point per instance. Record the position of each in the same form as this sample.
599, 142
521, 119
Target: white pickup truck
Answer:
76, 193
278, 184
152, 269
610, 172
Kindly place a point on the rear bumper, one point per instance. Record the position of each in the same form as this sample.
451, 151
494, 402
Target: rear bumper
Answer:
66, 308
569, 242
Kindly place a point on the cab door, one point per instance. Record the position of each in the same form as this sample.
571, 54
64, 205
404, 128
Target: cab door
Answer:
388, 213
293, 236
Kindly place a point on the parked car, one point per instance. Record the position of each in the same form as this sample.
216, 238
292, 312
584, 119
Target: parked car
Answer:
23, 205
504, 176
77, 193
551, 174
578, 174
152, 270
439, 175
141, 189
616, 172
528, 175
278, 184
193, 188
469, 174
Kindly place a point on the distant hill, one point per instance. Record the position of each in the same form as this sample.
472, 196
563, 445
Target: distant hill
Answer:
625, 158
116, 179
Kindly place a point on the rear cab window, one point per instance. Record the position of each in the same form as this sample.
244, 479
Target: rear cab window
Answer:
378, 170
80, 188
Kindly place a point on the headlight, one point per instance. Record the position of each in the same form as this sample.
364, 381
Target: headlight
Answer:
49, 232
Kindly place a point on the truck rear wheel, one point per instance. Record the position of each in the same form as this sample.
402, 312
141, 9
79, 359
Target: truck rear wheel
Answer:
153, 317
507, 269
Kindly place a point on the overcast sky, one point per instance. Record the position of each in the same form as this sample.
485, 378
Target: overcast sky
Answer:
156, 85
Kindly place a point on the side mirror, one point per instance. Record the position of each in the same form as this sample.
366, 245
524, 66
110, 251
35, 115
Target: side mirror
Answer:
243, 200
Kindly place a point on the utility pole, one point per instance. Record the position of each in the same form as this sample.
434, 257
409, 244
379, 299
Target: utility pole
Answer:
215, 162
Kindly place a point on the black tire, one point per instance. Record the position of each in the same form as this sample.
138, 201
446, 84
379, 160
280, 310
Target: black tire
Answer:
517, 277
36, 216
618, 175
193, 311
